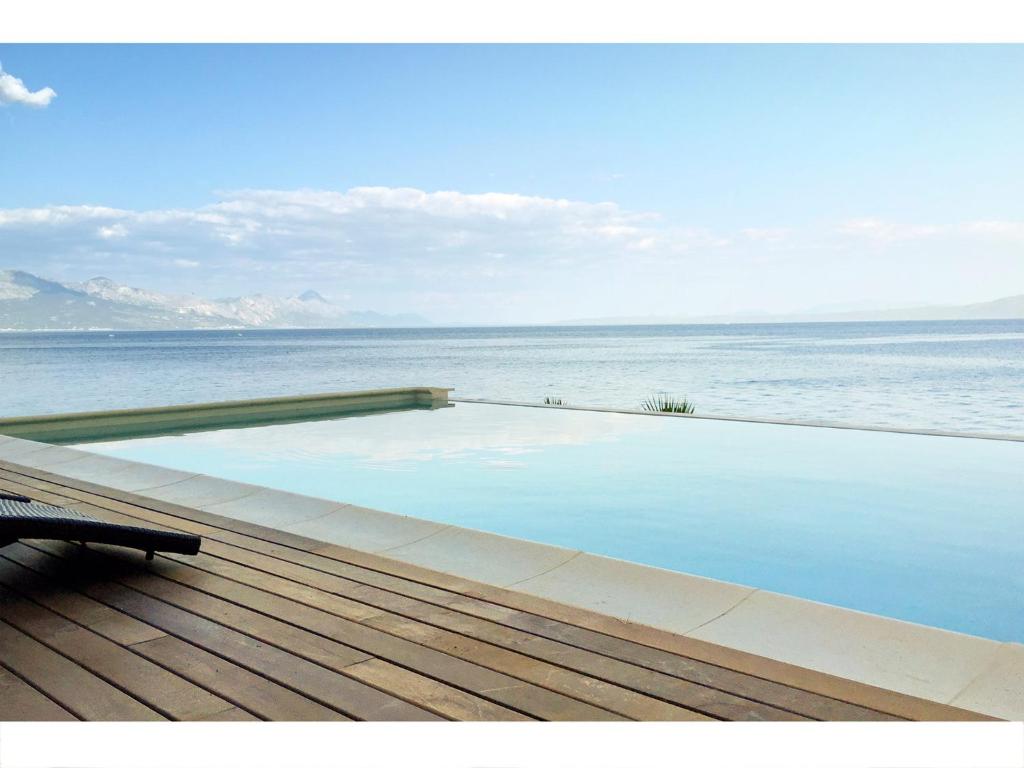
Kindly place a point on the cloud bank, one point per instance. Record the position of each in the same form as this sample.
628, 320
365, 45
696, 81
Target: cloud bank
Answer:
13, 91
443, 244
500, 257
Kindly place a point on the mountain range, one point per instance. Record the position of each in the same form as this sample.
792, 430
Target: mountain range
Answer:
28, 302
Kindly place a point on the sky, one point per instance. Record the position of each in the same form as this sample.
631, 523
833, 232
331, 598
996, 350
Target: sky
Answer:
504, 184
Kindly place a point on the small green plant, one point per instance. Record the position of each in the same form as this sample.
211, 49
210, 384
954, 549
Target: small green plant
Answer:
554, 401
667, 404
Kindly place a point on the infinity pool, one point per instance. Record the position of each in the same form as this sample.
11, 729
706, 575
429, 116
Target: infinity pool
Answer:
922, 528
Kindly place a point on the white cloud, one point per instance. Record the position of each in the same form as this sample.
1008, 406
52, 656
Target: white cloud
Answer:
506, 257
1008, 229
112, 231
59, 214
887, 231
369, 226
13, 91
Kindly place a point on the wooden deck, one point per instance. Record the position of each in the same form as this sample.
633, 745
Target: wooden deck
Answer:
266, 625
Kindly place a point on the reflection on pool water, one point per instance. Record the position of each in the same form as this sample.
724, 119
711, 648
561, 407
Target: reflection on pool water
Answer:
922, 528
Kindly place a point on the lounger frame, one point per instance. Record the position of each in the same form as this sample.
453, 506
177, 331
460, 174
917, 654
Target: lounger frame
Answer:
22, 518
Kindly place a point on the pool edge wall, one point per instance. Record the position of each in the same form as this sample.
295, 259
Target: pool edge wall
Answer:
91, 426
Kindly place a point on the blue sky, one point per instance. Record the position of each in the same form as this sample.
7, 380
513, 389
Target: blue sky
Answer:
580, 180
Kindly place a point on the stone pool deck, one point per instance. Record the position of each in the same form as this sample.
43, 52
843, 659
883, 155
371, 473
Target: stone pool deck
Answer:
301, 608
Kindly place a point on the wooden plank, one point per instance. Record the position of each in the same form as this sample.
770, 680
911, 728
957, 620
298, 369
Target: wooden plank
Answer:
101, 619
281, 543
232, 715
34, 489
682, 693
618, 702
19, 701
756, 689
75, 689
693, 696
623, 676
285, 633
597, 692
799, 679
252, 588
747, 686
446, 700
499, 687
320, 683
248, 690
168, 694
272, 631
251, 692
311, 680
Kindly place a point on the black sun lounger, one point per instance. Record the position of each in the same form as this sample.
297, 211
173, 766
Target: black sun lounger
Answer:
22, 518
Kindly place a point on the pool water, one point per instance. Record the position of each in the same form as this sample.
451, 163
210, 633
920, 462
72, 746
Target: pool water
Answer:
921, 528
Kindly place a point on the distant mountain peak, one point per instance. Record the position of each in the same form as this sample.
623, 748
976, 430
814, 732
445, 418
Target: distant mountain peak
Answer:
28, 302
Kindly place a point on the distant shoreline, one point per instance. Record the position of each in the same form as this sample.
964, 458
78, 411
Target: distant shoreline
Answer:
492, 326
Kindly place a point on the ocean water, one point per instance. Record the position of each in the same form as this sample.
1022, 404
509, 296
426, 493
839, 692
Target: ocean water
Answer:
958, 376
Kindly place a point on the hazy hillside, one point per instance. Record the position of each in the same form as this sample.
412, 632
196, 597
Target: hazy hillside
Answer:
28, 302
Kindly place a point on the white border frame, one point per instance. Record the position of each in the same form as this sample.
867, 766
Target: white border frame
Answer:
546, 21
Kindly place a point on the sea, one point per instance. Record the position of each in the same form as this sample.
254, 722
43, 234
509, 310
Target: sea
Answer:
960, 376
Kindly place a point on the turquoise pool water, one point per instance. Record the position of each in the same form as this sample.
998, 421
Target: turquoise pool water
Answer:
922, 528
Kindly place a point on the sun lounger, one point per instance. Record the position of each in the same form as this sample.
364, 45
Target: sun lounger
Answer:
22, 518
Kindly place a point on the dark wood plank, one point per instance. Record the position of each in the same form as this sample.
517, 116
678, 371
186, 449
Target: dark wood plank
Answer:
189, 662
652, 684
251, 692
232, 715
311, 680
701, 673
19, 701
400, 615
598, 692
229, 641
101, 619
253, 588
168, 694
534, 699
75, 689
35, 489
277, 625
292, 636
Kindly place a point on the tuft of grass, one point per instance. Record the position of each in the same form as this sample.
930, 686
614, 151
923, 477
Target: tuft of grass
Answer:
554, 401
661, 403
